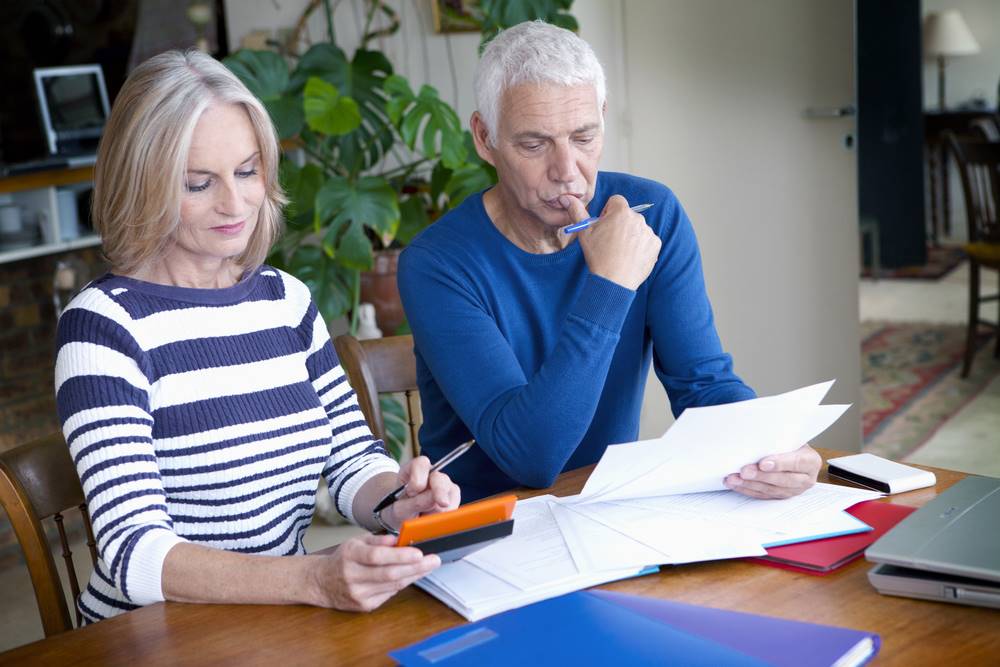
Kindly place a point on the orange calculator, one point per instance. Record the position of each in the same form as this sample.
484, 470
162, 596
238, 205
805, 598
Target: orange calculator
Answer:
458, 533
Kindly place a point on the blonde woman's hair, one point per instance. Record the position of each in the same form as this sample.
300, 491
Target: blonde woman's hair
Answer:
139, 176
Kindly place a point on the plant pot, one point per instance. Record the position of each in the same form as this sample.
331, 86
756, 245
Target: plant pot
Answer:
379, 288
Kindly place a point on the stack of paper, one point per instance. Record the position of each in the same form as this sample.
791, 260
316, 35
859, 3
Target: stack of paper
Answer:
658, 502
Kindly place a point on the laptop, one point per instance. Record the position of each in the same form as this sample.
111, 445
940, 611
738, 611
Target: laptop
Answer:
948, 550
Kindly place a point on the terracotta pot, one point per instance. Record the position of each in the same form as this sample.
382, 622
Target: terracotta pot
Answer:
378, 287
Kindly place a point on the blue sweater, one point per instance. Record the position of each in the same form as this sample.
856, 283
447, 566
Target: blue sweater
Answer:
206, 416
543, 362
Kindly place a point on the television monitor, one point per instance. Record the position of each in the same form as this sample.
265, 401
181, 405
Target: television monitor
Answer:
73, 102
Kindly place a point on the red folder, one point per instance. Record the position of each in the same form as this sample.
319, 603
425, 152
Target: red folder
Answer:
823, 556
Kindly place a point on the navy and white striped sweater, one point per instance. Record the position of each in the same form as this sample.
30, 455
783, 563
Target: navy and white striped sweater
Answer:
203, 415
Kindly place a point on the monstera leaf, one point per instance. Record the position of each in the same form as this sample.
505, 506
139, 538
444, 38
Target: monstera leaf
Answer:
330, 283
360, 79
345, 208
328, 111
424, 120
499, 14
412, 218
266, 75
301, 185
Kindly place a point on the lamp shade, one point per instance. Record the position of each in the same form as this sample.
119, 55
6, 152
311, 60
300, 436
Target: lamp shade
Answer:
947, 34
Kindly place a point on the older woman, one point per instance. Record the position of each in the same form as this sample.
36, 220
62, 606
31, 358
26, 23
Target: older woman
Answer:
198, 390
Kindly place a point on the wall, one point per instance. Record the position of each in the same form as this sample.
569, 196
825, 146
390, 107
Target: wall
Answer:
973, 76
717, 94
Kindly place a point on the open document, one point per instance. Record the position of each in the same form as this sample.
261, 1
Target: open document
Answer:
658, 502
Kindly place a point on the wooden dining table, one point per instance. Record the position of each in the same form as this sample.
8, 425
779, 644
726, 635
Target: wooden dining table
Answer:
913, 632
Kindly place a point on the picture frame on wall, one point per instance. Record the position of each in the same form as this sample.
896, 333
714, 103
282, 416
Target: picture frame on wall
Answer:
457, 15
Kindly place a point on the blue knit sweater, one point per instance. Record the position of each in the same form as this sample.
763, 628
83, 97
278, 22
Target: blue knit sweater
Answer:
543, 362
203, 415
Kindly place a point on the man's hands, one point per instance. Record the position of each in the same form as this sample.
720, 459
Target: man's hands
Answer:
620, 247
425, 492
778, 476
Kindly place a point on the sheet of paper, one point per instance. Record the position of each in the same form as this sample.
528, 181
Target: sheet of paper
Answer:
535, 554
684, 539
476, 593
815, 505
705, 444
596, 546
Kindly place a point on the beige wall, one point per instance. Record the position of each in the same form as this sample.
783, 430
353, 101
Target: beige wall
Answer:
716, 91
968, 76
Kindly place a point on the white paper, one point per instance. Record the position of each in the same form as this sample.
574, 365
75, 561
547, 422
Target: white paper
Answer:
535, 554
654, 502
684, 539
706, 444
596, 546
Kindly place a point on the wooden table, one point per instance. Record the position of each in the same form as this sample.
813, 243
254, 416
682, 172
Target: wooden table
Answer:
913, 632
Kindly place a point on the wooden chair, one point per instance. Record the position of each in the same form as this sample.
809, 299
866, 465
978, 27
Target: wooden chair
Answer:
979, 167
382, 366
37, 481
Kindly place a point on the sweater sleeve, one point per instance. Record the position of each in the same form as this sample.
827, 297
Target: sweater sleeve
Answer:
356, 455
687, 353
102, 394
528, 425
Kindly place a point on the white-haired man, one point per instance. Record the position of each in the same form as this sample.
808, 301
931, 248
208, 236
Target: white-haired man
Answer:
537, 342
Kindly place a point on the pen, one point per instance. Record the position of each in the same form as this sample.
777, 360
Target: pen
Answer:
583, 224
441, 463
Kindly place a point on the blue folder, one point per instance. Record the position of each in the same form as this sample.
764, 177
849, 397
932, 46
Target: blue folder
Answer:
602, 628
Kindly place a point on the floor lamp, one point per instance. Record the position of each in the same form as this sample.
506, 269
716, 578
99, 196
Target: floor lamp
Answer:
946, 35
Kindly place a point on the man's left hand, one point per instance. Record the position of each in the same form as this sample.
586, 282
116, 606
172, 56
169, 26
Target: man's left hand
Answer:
779, 475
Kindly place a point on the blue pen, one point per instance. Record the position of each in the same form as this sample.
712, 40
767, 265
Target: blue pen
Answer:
583, 224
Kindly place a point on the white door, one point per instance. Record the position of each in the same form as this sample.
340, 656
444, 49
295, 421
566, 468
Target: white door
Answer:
716, 91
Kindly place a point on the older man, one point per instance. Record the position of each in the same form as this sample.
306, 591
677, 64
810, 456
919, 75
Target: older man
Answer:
535, 341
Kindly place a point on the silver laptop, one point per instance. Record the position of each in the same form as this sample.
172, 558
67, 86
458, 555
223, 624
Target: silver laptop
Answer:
948, 550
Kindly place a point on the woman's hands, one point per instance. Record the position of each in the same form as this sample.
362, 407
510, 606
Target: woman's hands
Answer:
425, 493
364, 572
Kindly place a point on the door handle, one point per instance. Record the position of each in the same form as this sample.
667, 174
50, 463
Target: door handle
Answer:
829, 112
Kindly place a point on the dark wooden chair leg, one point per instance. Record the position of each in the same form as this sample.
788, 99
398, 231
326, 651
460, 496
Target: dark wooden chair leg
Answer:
970, 335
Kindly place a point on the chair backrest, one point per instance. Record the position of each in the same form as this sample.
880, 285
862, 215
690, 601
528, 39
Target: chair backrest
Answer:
985, 127
979, 168
38, 481
382, 366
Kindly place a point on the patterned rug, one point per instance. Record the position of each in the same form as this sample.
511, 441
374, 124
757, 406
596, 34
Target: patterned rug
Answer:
941, 261
910, 383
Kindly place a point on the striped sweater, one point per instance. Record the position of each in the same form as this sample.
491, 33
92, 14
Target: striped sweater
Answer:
203, 415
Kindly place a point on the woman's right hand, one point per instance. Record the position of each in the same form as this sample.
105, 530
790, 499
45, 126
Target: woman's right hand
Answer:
366, 571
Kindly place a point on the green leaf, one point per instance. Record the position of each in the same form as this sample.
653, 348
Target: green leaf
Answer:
266, 75
330, 284
370, 201
468, 179
413, 218
355, 250
301, 186
425, 122
506, 13
440, 176
360, 79
396, 424
328, 111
